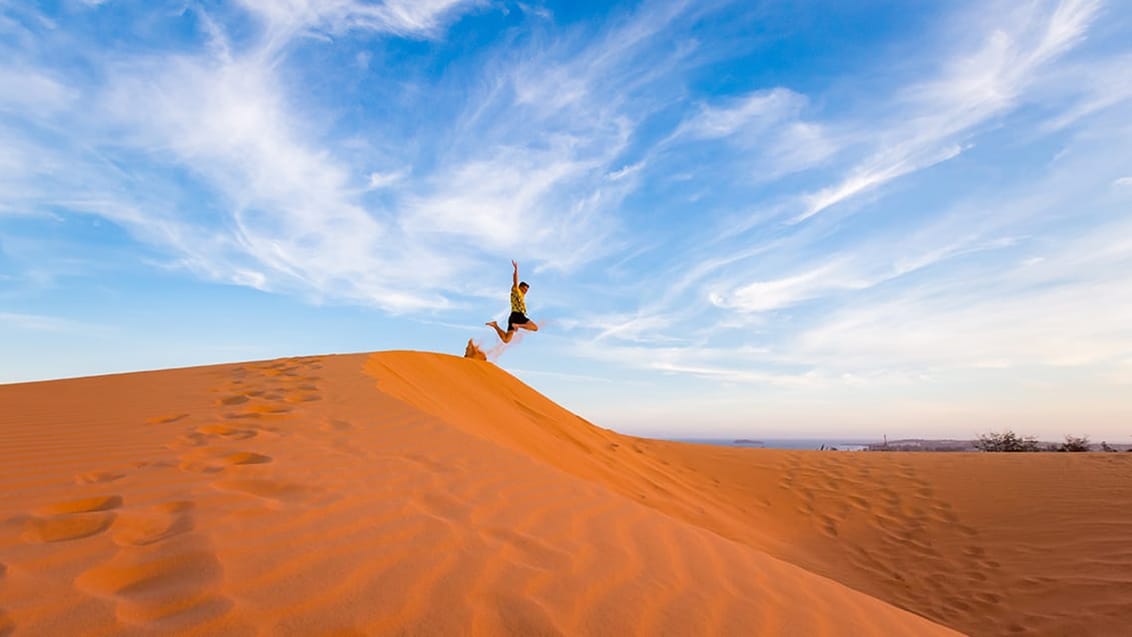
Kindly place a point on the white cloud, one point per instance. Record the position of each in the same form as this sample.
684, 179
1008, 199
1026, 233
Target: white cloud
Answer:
734, 375
29, 90
767, 121
1123, 181
286, 19
294, 208
625, 171
972, 89
1065, 309
762, 296
379, 180
290, 215
884, 257
541, 12
755, 112
638, 328
41, 323
1057, 327
878, 171
498, 203
542, 174
1099, 84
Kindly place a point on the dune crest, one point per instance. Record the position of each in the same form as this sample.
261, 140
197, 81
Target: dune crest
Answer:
419, 493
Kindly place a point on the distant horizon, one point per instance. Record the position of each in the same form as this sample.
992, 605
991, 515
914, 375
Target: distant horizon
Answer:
828, 217
707, 436
848, 440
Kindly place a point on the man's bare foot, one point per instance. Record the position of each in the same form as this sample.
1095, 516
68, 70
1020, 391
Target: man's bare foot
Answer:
503, 336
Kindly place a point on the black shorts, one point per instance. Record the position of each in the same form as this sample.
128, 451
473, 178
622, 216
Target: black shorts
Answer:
516, 318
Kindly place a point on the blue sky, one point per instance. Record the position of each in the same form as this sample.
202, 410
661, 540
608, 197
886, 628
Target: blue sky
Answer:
738, 218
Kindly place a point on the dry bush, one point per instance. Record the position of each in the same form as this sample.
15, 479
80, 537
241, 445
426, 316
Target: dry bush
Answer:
1006, 441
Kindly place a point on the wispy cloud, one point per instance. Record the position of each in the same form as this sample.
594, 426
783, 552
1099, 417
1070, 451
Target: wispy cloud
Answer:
971, 89
32, 90
750, 114
771, 120
384, 180
1099, 85
1063, 311
287, 205
407, 18
770, 295
42, 323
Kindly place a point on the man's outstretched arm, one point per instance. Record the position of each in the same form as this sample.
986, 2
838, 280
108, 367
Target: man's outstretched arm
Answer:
515, 275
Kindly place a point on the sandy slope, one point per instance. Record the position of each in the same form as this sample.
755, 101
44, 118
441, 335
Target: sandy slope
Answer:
436, 495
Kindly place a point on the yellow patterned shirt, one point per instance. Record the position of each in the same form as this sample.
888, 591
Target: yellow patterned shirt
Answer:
518, 300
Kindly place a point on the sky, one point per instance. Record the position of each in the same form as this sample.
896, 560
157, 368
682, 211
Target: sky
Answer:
750, 219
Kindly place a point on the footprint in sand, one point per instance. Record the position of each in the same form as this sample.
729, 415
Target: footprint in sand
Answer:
301, 398
226, 432
336, 425
213, 461
259, 411
71, 520
85, 505
153, 525
97, 477
530, 550
170, 580
829, 525
943, 512
236, 399
274, 492
988, 598
191, 439
164, 420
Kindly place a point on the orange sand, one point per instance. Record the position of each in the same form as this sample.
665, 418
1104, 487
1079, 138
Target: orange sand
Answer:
409, 493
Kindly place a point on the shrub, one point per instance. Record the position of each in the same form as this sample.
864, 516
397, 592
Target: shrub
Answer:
1006, 441
1075, 443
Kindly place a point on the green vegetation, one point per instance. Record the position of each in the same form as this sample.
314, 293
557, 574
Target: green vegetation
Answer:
1074, 443
1006, 441
1010, 441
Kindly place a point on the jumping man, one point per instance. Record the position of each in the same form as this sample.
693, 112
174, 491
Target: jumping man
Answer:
518, 318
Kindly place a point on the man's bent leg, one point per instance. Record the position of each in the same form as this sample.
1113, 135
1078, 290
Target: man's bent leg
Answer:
529, 325
503, 336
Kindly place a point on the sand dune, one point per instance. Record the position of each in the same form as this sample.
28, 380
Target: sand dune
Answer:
410, 493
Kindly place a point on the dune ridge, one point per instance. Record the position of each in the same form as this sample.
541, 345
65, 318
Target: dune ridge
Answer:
415, 493
989, 544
